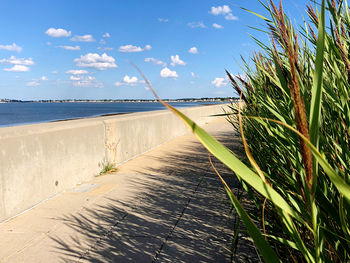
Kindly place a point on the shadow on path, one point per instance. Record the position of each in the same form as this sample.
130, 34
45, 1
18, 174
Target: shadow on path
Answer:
180, 213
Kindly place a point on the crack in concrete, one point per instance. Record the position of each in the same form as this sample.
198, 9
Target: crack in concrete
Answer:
155, 258
108, 233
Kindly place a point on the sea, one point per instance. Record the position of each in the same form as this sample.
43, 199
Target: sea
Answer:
12, 114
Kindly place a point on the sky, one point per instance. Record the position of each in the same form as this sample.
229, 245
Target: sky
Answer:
82, 49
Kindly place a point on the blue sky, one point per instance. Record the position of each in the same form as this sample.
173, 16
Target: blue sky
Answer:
81, 49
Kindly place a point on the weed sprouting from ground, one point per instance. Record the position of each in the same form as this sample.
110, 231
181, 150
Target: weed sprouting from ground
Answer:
107, 168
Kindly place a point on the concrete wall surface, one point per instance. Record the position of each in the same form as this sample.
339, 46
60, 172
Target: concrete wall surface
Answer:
38, 161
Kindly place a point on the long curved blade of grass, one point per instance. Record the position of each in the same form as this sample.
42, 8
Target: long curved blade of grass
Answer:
316, 97
231, 161
264, 248
336, 179
261, 244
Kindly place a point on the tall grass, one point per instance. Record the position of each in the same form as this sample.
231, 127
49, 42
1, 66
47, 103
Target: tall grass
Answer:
303, 80
295, 128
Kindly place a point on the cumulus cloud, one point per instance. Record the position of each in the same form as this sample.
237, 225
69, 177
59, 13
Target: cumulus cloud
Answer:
155, 61
167, 73
220, 10
106, 35
43, 78
33, 83
131, 48
165, 20
93, 60
128, 81
17, 68
70, 47
217, 26
219, 82
77, 72
224, 10
83, 38
12, 47
58, 32
17, 61
193, 50
231, 17
175, 60
85, 81
196, 24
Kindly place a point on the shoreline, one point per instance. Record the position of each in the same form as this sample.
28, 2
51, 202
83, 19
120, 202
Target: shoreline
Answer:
62, 118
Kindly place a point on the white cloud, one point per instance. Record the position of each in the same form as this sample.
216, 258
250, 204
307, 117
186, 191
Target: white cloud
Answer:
220, 10
224, 10
17, 61
219, 82
131, 48
58, 32
86, 81
155, 61
70, 47
43, 78
12, 47
217, 26
54, 72
167, 73
106, 35
231, 17
193, 50
175, 60
128, 81
165, 20
33, 83
77, 72
48, 43
17, 68
93, 60
83, 38
196, 24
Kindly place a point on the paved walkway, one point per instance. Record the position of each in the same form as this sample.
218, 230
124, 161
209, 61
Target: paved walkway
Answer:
164, 206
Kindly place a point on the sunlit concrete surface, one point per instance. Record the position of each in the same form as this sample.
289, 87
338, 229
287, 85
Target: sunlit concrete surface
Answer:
41, 160
166, 205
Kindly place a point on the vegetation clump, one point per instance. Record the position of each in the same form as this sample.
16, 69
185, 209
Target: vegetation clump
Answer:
295, 124
107, 168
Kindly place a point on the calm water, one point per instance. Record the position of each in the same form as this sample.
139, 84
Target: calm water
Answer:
12, 114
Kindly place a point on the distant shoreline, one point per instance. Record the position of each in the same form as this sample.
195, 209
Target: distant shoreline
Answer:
120, 101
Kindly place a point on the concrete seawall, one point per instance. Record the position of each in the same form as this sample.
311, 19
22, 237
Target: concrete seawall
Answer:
39, 161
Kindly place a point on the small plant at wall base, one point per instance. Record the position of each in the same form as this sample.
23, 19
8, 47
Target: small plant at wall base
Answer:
295, 129
107, 168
